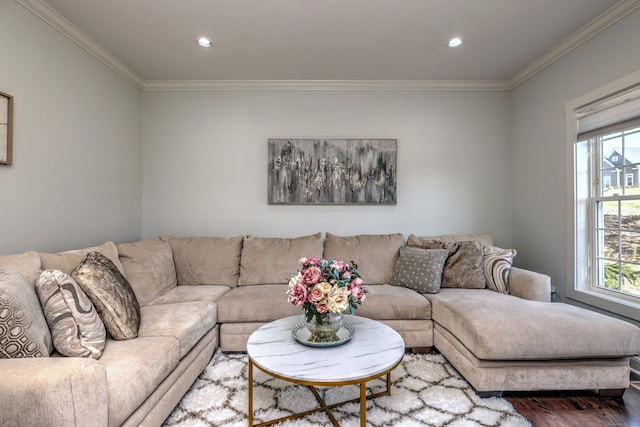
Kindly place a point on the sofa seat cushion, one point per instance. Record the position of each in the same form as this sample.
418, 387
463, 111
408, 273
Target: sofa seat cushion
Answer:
184, 322
383, 302
188, 293
387, 302
495, 326
255, 303
135, 368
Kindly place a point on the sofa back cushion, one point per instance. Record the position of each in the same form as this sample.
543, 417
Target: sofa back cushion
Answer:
206, 260
68, 260
148, 266
27, 263
375, 254
272, 260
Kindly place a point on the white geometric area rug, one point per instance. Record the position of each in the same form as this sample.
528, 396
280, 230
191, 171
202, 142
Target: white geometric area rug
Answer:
426, 391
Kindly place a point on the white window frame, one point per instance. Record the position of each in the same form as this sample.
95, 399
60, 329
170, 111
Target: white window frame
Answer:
580, 235
628, 177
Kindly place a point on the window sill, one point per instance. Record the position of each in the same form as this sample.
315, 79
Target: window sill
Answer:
606, 301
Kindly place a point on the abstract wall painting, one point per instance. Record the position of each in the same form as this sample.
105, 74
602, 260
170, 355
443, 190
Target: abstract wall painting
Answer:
332, 171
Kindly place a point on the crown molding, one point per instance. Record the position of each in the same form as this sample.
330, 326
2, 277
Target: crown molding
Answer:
73, 33
373, 85
602, 22
60, 23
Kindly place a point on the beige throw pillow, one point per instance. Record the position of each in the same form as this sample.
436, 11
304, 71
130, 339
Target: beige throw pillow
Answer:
23, 328
76, 327
272, 260
464, 267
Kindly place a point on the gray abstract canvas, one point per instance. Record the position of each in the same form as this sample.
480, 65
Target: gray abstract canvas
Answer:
332, 171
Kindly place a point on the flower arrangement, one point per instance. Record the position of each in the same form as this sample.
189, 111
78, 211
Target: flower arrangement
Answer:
322, 286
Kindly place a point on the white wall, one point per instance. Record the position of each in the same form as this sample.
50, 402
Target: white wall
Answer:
540, 200
76, 177
205, 161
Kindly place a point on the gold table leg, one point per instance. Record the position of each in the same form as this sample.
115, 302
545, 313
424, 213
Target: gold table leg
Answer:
323, 406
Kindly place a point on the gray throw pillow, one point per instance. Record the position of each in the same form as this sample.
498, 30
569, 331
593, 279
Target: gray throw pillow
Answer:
23, 329
464, 267
110, 293
497, 266
420, 269
76, 327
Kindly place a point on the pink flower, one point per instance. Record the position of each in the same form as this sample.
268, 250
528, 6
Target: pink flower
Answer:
302, 261
314, 260
311, 275
297, 294
357, 290
316, 294
322, 307
339, 265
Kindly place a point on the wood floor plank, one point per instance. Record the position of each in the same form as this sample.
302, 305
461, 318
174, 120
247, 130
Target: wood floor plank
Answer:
577, 409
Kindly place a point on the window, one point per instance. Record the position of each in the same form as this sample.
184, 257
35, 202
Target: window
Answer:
603, 132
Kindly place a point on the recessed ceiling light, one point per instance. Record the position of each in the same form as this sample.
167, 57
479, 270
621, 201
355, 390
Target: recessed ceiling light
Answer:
204, 42
454, 42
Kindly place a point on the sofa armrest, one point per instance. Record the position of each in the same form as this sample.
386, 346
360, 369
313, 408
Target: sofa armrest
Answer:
529, 285
53, 391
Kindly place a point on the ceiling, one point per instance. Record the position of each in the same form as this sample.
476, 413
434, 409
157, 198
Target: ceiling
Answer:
338, 40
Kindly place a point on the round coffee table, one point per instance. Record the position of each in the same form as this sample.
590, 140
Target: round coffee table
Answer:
374, 350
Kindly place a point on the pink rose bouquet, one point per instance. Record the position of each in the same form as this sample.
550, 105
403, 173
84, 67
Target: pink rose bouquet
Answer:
323, 286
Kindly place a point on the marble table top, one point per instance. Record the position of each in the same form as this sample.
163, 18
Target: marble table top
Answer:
373, 350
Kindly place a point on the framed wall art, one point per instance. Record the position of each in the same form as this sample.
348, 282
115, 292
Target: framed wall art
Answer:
332, 171
6, 119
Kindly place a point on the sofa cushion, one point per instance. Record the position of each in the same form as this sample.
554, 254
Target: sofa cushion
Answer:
28, 264
269, 302
76, 327
23, 328
148, 266
420, 269
111, 294
135, 368
187, 293
375, 254
383, 302
184, 322
68, 260
388, 302
497, 266
272, 260
206, 260
495, 326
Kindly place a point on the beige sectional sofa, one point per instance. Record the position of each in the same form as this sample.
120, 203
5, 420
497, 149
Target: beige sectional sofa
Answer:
200, 293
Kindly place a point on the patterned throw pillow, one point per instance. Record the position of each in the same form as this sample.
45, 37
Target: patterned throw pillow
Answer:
420, 269
23, 329
464, 267
76, 328
110, 293
497, 265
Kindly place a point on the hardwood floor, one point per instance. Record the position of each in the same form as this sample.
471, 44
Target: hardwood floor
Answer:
578, 409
